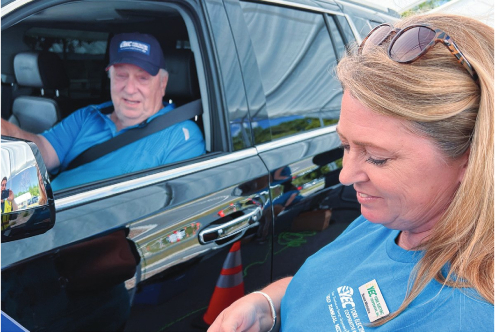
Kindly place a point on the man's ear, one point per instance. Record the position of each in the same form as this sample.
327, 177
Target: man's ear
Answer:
163, 84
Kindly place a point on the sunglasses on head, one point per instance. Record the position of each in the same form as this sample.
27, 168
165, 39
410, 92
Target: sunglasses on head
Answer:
412, 42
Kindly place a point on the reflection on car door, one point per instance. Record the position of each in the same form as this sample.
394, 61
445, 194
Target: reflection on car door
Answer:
294, 112
184, 227
185, 246
311, 207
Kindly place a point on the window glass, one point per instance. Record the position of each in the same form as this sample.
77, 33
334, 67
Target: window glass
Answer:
296, 60
362, 25
373, 24
345, 29
338, 41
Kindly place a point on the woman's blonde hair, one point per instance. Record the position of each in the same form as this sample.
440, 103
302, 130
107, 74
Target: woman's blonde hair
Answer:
442, 101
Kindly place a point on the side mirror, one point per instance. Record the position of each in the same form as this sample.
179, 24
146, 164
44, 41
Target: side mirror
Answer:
28, 207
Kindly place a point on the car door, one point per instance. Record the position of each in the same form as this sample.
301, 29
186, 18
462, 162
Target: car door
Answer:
191, 222
293, 50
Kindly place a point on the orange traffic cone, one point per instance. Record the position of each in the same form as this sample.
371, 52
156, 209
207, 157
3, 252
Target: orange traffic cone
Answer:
230, 285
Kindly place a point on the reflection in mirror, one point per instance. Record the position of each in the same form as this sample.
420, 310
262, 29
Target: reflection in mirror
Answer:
26, 207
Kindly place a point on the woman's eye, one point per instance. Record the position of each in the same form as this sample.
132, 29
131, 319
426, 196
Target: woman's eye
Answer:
377, 162
371, 160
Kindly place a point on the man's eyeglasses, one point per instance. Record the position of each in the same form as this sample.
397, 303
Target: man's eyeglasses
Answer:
412, 42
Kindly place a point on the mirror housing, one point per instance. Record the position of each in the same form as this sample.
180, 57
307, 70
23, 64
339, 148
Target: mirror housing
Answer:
28, 207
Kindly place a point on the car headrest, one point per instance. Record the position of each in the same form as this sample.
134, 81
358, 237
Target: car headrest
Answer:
182, 79
42, 70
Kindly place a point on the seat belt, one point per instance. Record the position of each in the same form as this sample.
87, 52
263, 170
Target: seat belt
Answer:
180, 114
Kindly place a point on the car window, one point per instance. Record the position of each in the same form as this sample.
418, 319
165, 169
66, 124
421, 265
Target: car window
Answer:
80, 41
364, 25
296, 60
337, 40
345, 29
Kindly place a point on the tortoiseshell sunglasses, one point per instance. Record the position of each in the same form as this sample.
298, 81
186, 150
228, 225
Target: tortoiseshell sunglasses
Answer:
412, 42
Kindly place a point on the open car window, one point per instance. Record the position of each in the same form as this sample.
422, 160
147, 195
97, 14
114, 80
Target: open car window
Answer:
79, 34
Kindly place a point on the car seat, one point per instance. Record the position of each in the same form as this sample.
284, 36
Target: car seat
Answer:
44, 71
182, 84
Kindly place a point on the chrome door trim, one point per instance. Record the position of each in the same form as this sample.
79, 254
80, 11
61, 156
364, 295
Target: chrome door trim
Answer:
65, 203
14, 5
233, 227
354, 30
295, 139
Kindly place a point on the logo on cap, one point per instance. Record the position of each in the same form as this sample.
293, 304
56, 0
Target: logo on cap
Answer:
134, 46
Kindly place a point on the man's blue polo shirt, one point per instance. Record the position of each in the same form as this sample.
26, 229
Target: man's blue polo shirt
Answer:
88, 126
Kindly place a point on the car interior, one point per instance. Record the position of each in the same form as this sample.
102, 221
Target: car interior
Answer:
53, 61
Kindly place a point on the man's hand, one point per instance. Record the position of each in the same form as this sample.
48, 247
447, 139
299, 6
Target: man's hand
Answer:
9, 129
48, 153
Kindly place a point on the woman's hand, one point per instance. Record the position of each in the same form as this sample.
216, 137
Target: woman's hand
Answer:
252, 313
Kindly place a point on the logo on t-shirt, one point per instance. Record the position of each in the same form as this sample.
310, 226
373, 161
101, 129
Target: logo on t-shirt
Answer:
345, 293
347, 318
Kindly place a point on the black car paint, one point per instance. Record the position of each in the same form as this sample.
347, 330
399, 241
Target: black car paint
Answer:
179, 277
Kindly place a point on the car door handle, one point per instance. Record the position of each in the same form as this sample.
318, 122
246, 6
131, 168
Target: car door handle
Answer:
238, 225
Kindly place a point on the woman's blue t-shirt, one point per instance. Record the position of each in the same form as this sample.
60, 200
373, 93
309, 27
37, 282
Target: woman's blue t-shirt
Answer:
324, 294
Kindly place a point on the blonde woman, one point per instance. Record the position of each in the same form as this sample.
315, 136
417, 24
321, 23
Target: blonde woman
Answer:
416, 126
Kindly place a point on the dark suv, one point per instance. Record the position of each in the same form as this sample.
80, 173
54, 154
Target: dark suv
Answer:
197, 234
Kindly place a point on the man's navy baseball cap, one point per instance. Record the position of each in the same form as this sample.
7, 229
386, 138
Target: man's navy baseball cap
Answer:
138, 49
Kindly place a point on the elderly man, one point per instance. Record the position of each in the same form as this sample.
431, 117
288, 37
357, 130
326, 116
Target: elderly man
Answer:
138, 80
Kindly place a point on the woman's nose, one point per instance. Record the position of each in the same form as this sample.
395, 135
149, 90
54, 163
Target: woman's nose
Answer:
352, 171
